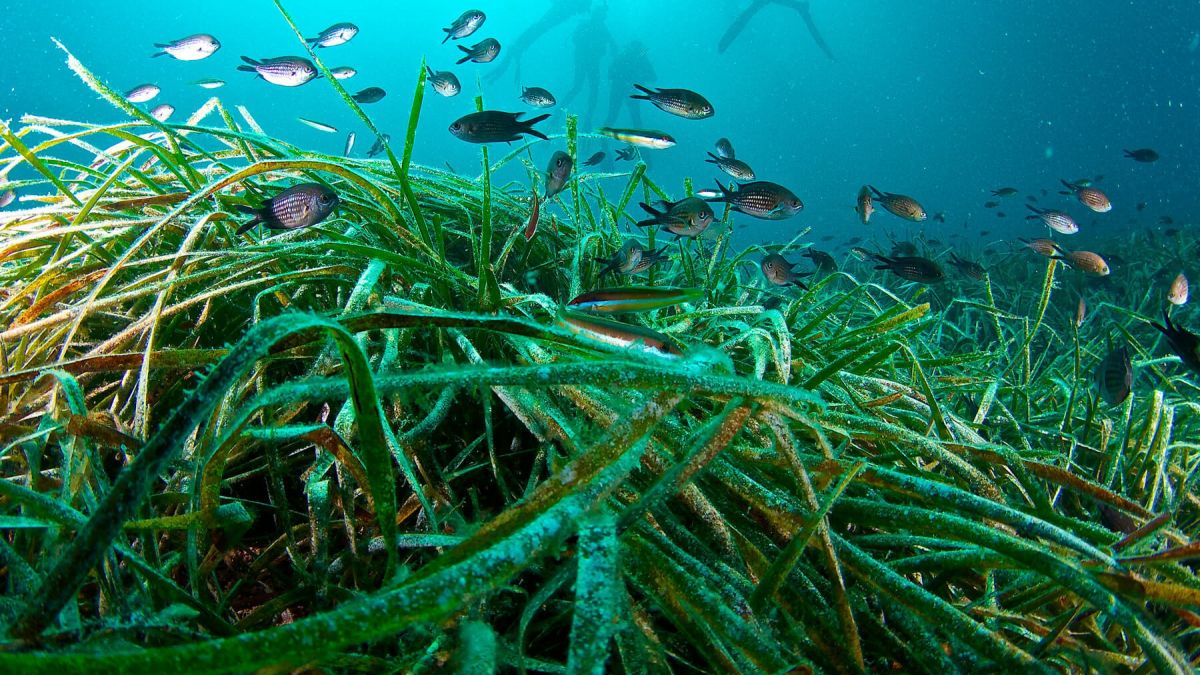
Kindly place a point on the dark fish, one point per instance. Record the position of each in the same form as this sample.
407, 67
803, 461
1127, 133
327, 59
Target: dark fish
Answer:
904, 248
1055, 220
557, 173
467, 23
761, 199
912, 268
725, 149
1141, 206
968, 268
734, 167
190, 48
1114, 376
538, 97
864, 205
990, 205
285, 71
370, 95
1183, 342
823, 261
779, 271
1142, 155
302, 205
1001, 214
939, 217
378, 147
1031, 198
337, 34
444, 82
900, 205
984, 233
1171, 231
627, 153
1004, 192
1084, 261
1166, 220
1089, 197
594, 159
687, 217
494, 126
484, 52
650, 259
682, 102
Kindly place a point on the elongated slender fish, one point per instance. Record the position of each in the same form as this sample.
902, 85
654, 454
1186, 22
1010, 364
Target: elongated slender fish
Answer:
495, 126
484, 52
210, 84
900, 205
1081, 312
337, 34
687, 217
761, 199
683, 103
190, 48
466, 24
646, 138
142, 93
534, 216
302, 205
617, 334
349, 144
319, 126
1055, 220
285, 71
634, 298
444, 82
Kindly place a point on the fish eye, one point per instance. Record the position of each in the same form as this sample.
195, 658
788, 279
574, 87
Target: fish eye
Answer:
456, 126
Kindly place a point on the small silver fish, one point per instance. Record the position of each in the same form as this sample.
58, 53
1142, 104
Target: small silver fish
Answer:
467, 23
734, 167
444, 82
484, 52
163, 112
190, 48
343, 73
538, 97
725, 149
349, 144
210, 84
377, 148
319, 126
7, 197
142, 93
285, 71
337, 34
557, 173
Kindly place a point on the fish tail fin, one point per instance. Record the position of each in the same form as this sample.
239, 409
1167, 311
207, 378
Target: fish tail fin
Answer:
155, 55
1069, 186
464, 49
713, 159
447, 38
1127, 153
876, 191
1035, 209
655, 213
249, 211
312, 41
251, 61
644, 96
247, 69
429, 70
162, 45
724, 193
528, 126
462, 60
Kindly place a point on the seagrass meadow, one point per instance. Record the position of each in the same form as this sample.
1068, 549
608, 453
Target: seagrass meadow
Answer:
376, 445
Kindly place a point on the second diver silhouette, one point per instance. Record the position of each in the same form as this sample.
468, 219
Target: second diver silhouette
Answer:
739, 24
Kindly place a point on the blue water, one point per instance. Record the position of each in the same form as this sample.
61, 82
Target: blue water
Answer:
943, 100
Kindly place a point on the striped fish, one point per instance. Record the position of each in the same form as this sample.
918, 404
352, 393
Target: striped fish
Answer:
646, 138
779, 271
1183, 342
687, 217
734, 167
682, 102
1085, 261
1090, 197
761, 199
864, 206
634, 298
1178, 293
1114, 376
617, 334
302, 205
912, 268
444, 82
1045, 247
285, 71
1055, 220
968, 268
902, 206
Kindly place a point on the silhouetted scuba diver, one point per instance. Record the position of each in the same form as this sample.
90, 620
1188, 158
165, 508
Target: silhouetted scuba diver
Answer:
739, 24
629, 66
558, 12
592, 42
